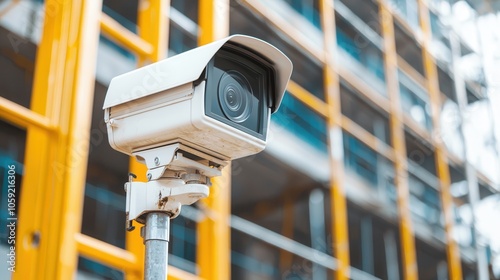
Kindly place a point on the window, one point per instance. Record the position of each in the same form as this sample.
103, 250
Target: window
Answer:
425, 203
414, 101
361, 159
359, 48
183, 27
408, 9
361, 55
355, 108
408, 48
302, 121
308, 9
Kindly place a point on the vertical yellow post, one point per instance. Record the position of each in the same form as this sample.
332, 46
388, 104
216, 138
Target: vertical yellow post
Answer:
397, 137
56, 162
443, 172
336, 152
214, 233
153, 27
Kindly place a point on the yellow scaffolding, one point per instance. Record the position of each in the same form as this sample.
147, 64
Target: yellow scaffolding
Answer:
58, 122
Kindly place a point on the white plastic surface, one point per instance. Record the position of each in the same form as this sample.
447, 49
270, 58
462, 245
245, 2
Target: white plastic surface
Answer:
187, 67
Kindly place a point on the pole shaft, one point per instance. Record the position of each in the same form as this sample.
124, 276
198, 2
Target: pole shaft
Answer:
156, 236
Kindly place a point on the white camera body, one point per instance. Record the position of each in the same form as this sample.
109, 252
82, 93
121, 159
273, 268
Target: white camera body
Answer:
198, 100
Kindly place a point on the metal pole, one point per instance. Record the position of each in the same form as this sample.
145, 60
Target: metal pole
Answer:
156, 237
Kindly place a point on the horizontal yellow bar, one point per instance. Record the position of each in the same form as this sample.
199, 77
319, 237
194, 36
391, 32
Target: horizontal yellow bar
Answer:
411, 72
119, 258
364, 89
106, 253
313, 102
175, 273
367, 138
21, 116
123, 36
418, 130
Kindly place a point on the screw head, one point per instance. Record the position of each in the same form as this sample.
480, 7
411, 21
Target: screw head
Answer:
35, 239
157, 161
149, 176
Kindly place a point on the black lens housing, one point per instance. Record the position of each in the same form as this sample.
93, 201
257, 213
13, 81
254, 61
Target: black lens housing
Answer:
238, 89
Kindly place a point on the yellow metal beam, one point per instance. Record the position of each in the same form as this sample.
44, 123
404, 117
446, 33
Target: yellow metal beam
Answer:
213, 232
118, 258
411, 72
366, 92
311, 101
153, 26
121, 35
55, 163
367, 138
106, 253
443, 172
21, 116
133, 240
336, 151
398, 136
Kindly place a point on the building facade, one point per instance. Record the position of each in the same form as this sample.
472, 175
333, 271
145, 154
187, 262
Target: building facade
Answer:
381, 164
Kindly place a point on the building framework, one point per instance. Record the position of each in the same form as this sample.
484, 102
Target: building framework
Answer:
59, 116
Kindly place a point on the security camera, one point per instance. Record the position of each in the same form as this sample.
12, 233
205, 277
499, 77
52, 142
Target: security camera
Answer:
216, 100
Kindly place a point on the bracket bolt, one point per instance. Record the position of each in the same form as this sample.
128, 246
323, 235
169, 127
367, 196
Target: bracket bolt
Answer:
157, 161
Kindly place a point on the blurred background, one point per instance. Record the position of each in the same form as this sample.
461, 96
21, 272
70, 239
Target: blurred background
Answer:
383, 157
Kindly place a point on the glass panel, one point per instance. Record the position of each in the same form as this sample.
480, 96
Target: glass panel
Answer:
368, 11
180, 41
183, 32
360, 158
408, 48
92, 270
303, 122
104, 215
431, 261
441, 47
420, 154
124, 12
187, 8
355, 108
302, 15
182, 245
252, 258
16, 66
408, 9
414, 101
360, 55
112, 60
446, 84
425, 206
373, 244
308, 9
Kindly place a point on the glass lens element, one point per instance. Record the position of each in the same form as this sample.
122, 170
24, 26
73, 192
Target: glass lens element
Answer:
235, 95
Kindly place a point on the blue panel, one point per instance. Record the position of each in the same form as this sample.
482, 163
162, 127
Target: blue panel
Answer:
302, 122
361, 159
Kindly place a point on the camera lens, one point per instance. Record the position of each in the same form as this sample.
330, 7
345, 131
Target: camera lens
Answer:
235, 95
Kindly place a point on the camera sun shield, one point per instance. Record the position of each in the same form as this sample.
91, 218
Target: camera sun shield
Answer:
216, 99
